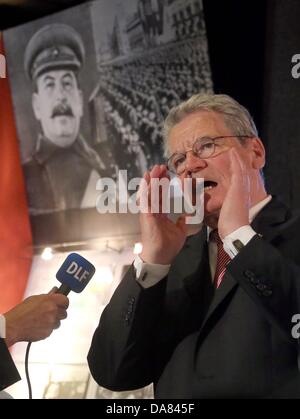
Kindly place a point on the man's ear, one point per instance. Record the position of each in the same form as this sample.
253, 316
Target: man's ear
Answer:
36, 106
258, 153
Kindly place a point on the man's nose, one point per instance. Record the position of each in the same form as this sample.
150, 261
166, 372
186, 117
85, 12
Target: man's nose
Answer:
194, 163
60, 92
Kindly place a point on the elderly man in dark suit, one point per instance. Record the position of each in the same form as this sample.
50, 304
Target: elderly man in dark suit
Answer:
63, 164
210, 315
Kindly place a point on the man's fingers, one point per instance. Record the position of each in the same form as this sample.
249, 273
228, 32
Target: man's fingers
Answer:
60, 300
155, 172
239, 161
149, 196
181, 223
142, 193
62, 314
240, 176
143, 185
237, 166
57, 325
64, 301
159, 189
159, 171
234, 165
164, 171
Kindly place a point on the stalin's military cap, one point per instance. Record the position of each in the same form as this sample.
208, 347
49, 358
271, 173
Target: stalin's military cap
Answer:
53, 47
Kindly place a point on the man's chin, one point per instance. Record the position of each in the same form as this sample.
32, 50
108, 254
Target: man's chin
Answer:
64, 141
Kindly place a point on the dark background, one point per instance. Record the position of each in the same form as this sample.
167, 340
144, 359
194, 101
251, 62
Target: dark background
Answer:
251, 44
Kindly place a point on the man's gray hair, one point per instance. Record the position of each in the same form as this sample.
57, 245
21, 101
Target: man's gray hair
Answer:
236, 117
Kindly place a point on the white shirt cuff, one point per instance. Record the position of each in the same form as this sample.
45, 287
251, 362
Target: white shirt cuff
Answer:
149, 274
244, 234
2, 327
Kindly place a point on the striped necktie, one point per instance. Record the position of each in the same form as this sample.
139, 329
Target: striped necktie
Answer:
222, 258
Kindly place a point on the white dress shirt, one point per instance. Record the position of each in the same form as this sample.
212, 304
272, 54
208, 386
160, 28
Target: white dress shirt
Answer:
149, 274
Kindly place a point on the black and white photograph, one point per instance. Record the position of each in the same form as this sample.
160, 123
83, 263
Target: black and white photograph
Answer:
97, 80
56, 72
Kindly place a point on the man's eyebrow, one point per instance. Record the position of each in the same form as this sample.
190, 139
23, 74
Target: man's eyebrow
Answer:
47, 77
189, 144
68, 75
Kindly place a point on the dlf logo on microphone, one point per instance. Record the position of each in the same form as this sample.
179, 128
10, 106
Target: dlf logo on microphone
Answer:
75, 272
2, 66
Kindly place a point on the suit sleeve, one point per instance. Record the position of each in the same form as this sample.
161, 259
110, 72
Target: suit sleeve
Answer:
272, 280
121, 354
8, 371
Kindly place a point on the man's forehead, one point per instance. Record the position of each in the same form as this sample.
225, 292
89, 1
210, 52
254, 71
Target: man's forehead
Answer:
203, 119
56, 74
195, 125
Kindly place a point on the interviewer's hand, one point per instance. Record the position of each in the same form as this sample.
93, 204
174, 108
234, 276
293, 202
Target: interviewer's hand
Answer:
35, 318
161, 238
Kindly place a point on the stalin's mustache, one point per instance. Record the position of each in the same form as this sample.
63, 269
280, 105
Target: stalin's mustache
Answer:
62, 109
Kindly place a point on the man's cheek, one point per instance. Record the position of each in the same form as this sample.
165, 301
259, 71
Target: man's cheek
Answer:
218, 194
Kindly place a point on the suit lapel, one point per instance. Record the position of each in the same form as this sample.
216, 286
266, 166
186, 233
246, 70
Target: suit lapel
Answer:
192, 267
190, 262
198, 284
269, 223
190, 273
228, 284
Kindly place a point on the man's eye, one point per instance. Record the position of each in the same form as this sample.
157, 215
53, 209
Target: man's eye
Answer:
49, 85
178, 160
67, 85
207, 145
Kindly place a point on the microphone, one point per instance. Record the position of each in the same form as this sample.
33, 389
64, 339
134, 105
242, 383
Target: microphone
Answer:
74, 274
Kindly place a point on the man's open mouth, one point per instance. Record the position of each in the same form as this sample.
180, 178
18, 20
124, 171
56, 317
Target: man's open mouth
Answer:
209, 184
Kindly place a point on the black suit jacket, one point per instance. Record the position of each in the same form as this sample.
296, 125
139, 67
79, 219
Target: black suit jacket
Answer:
56, 177
8, 372
194, 342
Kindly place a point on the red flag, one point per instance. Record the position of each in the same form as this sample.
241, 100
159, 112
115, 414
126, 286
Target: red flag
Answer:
15, 232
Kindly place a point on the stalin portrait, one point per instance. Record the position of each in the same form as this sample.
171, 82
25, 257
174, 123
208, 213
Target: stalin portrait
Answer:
63, 169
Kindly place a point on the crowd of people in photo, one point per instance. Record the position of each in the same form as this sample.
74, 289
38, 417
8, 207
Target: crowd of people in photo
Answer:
138, 92
188, 21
